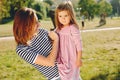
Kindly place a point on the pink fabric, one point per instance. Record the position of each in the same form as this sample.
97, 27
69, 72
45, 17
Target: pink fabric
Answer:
70, 42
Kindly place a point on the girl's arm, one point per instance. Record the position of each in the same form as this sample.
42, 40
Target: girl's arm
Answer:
78, 43
79, 59
51, 58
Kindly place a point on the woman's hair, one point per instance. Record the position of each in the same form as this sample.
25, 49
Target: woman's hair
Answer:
24, 23
65, 6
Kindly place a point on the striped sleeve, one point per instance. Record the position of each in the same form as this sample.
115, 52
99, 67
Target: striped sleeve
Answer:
27, 54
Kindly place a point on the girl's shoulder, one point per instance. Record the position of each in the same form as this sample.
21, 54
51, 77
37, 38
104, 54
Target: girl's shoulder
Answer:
74, 27
57, 30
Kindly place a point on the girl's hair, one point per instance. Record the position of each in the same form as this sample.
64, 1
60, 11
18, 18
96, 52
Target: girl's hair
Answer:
65, 6
24, 23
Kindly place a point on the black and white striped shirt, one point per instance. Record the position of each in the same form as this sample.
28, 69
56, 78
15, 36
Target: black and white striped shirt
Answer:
40, 44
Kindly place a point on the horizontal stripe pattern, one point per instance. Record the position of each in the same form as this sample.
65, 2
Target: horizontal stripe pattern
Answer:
41, 44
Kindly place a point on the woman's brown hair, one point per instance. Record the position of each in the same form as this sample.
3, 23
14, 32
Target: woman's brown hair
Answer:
65, 6
24, 23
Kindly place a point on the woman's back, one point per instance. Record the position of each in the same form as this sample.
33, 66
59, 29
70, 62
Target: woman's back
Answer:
38, 45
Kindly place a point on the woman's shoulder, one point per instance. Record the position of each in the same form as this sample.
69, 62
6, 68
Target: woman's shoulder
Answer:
20, 47
42, 30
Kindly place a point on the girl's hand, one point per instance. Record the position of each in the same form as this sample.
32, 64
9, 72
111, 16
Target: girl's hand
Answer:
53, 36
79, 63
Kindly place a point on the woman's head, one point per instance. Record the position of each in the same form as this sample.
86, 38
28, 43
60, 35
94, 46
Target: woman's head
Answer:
64, 13
25, 25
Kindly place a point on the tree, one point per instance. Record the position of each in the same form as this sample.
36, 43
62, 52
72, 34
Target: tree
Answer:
9, 8
49, 5
88, 8
17, 4
0, 10
116, 7
104, 10
50, 2
40, 8
91, 8
4, 11
105, 7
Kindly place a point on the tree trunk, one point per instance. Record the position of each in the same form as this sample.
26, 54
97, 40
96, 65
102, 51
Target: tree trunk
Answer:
102, 19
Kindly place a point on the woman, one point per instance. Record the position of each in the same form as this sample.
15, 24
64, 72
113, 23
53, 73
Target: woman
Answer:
35, 46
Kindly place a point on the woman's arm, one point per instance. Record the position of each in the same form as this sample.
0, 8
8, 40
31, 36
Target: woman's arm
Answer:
51, 58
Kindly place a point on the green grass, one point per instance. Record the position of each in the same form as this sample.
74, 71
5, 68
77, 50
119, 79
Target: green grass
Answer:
12, 67
101, 52
114, 22
6, 29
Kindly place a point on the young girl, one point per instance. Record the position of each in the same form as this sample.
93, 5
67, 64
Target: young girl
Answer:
70, 48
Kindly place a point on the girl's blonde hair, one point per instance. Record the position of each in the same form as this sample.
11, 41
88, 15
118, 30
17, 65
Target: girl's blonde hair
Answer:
24, 24
65, 6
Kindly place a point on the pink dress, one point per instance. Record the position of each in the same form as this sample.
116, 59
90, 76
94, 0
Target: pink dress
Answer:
70, 43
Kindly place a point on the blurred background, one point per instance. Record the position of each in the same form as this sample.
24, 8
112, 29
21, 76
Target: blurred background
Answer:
87, 8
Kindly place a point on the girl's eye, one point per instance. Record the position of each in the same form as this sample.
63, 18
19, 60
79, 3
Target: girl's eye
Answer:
66, 15
59, 16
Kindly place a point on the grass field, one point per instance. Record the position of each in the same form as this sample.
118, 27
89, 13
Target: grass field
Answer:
6, 29
101, 52
101, 58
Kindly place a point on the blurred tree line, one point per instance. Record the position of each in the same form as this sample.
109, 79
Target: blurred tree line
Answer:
88, 8
8, 8
101, 8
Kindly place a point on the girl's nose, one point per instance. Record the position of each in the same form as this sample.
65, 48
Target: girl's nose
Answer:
63, 17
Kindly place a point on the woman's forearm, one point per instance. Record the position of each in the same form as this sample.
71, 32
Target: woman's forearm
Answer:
53, 54
51, 58
79, 55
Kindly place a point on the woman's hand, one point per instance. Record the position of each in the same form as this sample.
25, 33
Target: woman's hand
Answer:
51, 58
53, 36
79, 63
79, 59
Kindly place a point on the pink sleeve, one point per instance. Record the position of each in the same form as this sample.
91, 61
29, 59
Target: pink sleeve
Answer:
76, 37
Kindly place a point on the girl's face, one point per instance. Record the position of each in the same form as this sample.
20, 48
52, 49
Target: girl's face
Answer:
64, 18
